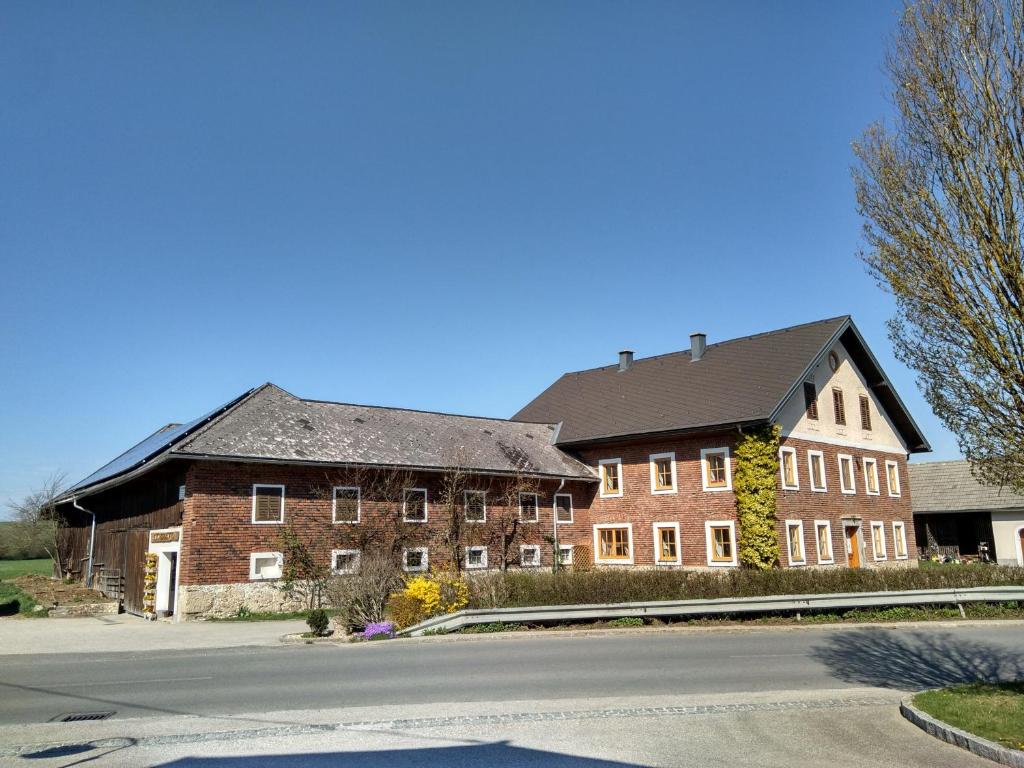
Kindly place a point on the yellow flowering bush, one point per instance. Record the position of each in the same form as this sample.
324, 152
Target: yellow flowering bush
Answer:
427, 595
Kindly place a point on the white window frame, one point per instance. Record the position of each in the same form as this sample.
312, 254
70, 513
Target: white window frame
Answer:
613, 560
827, 525
899, 481
254, 556
536, 507
842, 475
554, 509
535, 562
709, 539
426, 505
818, 456
334, 559
280, 520
655, 528
562, 548
902, 528
601, 465
653, 468
334, 504
181, 493
873, 463
483, 560
799, 524
422, 567
883, 555
782, 468
704, 467
465, 506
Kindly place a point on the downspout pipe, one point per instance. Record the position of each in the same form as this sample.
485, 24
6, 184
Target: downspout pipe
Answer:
92, 537
555, 565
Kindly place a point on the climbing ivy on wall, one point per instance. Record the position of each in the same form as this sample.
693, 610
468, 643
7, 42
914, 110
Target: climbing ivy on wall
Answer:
757, 466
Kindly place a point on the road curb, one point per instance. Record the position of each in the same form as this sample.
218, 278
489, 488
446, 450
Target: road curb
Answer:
958, 738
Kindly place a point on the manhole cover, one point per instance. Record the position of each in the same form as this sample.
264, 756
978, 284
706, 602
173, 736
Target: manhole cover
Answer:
74, 717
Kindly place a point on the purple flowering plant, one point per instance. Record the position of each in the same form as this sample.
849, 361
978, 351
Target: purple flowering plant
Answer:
378, 631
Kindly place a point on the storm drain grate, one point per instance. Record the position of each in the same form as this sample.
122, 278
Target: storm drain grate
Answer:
76, 717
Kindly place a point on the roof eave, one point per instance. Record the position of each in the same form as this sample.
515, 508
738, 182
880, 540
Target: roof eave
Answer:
661, 433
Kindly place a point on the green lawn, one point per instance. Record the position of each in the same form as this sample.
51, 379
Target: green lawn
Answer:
12, 569
994, 712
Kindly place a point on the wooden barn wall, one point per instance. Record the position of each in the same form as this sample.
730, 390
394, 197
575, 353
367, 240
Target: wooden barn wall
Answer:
124, 516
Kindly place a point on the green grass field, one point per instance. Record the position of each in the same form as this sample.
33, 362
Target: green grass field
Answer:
12, 569
994, 712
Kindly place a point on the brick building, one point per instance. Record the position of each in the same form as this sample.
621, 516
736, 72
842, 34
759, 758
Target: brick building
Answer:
626, 465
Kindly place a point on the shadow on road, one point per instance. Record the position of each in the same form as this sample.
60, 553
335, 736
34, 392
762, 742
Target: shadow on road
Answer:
493, 755
915, 660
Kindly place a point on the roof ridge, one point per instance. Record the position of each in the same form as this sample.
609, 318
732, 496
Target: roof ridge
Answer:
722, 343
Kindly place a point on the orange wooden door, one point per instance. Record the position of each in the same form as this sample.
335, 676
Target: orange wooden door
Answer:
853, 546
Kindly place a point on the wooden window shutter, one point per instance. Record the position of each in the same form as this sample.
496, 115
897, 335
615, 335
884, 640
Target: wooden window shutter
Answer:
268, 504
838, 406
865, 412
811, 400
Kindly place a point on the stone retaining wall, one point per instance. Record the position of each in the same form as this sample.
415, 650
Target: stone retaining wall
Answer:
218, 601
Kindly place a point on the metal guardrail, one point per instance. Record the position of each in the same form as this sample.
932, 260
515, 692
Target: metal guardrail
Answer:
674, 608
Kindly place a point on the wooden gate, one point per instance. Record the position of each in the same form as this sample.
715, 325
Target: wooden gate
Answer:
136, 542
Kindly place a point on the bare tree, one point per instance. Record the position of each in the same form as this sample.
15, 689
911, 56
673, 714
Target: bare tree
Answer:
942, 194
503, 531
37, 519
450, 503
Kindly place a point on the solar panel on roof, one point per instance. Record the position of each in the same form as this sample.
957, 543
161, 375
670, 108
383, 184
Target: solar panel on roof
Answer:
148, 448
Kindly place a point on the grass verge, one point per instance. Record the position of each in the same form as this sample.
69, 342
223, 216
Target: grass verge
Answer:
992, 711
12, 569
14, 601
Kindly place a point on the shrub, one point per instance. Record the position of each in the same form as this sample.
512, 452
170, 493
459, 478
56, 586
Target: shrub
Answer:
428, 595
515, 589
757, 466
405, 610
318, 620
626, 621
363, 597
378, 631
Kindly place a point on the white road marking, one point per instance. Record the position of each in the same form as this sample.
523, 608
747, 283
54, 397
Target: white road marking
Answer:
131, 682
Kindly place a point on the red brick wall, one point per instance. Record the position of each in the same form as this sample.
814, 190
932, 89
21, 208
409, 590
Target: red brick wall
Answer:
219, 535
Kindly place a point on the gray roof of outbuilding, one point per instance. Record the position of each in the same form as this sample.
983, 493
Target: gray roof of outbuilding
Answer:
949, 486
272, 424
745, 380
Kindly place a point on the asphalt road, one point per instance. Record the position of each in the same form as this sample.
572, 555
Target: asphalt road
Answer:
802, 698
35, 689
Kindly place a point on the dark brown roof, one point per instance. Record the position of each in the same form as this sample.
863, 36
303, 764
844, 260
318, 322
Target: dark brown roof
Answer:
741, 381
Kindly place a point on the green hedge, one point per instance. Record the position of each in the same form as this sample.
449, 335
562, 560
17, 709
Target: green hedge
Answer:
515, 588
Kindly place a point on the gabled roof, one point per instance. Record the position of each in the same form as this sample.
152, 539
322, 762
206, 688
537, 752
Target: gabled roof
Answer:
949, 486
736, 382
270, 424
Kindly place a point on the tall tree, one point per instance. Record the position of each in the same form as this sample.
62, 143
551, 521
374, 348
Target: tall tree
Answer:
38, 523
942, 194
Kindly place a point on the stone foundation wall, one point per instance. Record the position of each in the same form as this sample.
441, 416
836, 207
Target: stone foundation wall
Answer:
218, 601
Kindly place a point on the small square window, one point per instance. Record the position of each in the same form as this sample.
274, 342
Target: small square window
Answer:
414, 505
476, 557
415, 559
345, 561
663, 472
346, 505
565, 554
823, 534
788, 470
529, 555
816, 469
265, 566
878, 541
611, 477
717, 474
267, 504
795, 542
720, 541
528, 507
847, 481
563, 507
871, 476
476, 506
666, 544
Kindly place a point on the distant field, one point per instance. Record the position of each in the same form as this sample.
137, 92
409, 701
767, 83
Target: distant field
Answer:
12, 569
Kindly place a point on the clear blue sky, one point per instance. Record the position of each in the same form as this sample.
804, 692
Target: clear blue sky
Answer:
433, 205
